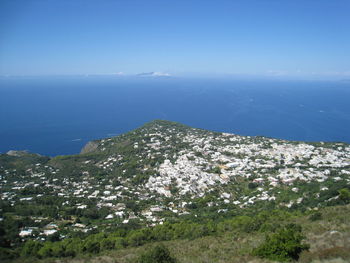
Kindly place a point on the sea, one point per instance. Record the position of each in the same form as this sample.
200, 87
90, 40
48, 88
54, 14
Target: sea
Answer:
59, 115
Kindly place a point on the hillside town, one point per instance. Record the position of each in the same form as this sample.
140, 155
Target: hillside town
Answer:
163, 170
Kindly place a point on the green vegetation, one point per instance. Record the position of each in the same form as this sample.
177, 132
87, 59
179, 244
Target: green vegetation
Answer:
326, 237
284, 245
344, 194
157, 254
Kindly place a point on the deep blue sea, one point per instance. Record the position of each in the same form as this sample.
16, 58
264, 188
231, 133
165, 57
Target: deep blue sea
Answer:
55, 116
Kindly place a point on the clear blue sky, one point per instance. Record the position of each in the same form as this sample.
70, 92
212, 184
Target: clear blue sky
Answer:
262, 37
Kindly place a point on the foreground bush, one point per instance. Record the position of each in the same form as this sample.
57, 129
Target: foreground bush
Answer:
157, 254
284, 245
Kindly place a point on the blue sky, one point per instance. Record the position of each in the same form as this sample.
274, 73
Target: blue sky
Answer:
288, 38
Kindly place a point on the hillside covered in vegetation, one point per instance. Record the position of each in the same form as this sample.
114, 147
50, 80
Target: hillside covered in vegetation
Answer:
166, 191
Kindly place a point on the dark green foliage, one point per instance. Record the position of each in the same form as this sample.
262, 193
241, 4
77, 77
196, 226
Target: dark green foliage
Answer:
96, 243
133, 237
138, 238
71, 247
157, 254
252, 185
31, 248
119, 242
315, 216
284, 245
92, 246
9, 231
215, 170
198, 154
7, 254
240, 223
139, 179
108, 243
46, 250
54, 237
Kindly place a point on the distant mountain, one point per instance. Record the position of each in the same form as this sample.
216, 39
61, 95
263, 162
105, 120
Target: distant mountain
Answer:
154, 74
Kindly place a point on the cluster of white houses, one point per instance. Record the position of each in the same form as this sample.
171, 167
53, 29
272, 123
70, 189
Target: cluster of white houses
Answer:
265, 161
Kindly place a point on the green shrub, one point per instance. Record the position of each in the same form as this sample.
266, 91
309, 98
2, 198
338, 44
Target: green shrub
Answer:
72, 247
138, 237
269, 227
252, 185
119, 242
157, 254
344, 194
239, 223
107, 243
284, 245
315, 216
92, 246
31, 248
46, 251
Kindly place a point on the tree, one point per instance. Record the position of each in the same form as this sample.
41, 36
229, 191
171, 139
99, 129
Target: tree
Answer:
92, 246
138, 237
344, 194
108, 243
157, 254
31, 248
46, 251
284, 245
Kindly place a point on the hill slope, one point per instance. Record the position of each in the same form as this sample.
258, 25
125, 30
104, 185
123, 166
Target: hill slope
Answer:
165, 172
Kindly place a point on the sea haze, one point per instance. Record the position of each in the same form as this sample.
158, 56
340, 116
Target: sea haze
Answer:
56, 116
